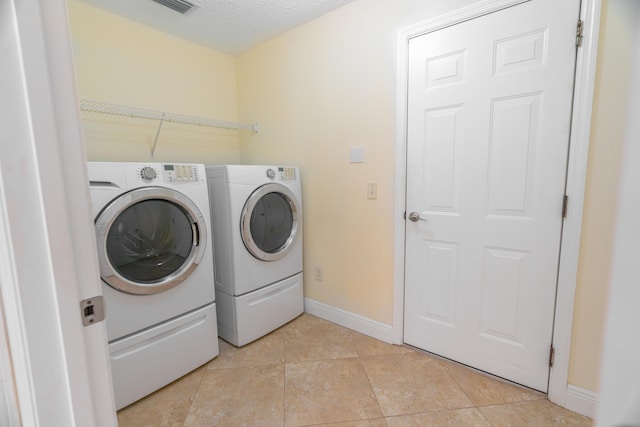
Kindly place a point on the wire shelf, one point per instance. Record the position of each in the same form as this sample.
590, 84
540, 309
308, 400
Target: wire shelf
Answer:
143, 113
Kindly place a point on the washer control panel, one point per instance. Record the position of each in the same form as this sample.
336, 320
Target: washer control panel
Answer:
180, 174
148, 173
287, 173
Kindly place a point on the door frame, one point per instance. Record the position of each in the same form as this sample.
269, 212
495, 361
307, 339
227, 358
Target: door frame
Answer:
576, 174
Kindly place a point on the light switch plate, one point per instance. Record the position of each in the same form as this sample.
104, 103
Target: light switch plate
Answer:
372, 190
356, 154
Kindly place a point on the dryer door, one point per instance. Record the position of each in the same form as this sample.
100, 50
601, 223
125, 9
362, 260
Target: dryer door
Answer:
270, 222
149, 240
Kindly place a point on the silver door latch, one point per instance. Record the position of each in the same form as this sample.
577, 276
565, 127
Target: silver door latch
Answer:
415, 217
92, 310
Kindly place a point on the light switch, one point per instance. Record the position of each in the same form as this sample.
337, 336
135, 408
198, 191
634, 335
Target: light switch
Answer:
372, 190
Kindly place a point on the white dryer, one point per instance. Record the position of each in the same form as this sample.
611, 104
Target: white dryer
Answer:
256, 214
154, 244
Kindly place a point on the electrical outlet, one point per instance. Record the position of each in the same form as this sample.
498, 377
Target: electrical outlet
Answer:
317, 273
372, 190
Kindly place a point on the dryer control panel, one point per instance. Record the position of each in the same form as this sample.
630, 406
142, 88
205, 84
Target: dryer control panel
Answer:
180, 174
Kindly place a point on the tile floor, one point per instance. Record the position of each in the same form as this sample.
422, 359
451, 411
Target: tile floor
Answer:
312, 372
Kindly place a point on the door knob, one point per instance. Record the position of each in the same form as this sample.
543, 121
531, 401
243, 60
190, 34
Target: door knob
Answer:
415, 217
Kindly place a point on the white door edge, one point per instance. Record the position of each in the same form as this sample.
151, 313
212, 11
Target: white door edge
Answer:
576, 174
59, 370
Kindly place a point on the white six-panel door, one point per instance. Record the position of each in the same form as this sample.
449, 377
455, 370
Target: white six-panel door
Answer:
488, 131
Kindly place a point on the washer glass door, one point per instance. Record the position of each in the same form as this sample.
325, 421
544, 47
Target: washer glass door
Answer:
149, 240
270, 222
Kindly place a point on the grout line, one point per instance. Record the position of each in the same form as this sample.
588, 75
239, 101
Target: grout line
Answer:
373, 390
458, 384
193, 398
321, 360
344, 422
475, 370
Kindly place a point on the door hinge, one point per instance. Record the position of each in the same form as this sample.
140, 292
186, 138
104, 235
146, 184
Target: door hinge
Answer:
92, 310
552, 354
579, 31
565, 202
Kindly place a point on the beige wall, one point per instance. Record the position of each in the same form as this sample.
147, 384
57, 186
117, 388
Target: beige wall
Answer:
122, 62
317, 91
605, 159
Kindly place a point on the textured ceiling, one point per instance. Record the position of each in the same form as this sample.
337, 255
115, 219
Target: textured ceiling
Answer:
229, 26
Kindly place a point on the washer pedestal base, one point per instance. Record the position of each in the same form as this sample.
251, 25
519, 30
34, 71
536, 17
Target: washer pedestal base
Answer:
146, 361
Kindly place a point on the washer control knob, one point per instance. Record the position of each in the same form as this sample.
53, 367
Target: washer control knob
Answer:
148, 173
271, 173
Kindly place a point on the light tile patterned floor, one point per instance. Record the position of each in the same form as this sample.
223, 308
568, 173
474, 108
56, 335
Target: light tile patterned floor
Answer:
314, 373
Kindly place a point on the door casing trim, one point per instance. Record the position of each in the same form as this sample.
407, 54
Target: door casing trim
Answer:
590, 11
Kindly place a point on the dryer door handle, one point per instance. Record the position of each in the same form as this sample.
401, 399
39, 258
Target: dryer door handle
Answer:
196, 234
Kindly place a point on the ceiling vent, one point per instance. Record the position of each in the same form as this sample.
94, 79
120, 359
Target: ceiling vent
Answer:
182, 6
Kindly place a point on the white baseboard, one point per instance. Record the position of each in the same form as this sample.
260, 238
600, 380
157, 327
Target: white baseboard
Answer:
350, 320
582, 401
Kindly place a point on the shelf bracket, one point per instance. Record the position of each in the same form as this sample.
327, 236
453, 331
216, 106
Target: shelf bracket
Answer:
155, 141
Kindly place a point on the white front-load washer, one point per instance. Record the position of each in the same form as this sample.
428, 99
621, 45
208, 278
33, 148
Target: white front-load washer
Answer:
256, 214
155, 249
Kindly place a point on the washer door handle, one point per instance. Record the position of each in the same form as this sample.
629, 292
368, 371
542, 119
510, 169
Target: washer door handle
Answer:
196, 234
